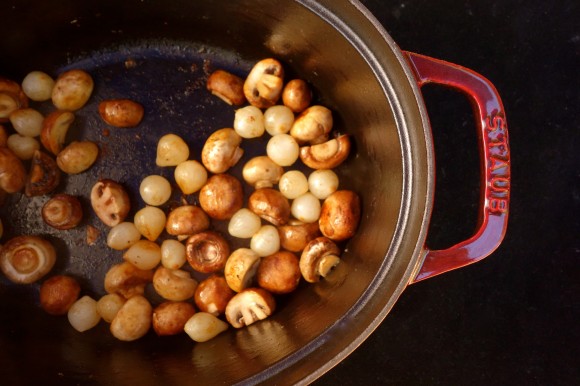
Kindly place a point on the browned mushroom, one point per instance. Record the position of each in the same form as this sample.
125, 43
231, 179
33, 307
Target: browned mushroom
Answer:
295, 235
110, 202
25, 259
58, 294
213, 294
169, 318
54, 130
12, 98
176, 285
3, 136
241, 268
264, 83
327, 155
318, 259
279, 273
271, 205
127, 280
72, 89
207, 251
186, 220
221, 150
249, 306
77, 157
12, 171
133, 319
121, 112
340, 215
221, 196
297, 95
227, 86
312, 124
44, 175
62, 211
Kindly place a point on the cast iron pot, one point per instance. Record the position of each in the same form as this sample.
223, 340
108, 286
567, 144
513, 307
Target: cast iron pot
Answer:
354, 68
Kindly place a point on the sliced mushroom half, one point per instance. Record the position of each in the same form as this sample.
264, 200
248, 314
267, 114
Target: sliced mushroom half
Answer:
250, 306
318, 259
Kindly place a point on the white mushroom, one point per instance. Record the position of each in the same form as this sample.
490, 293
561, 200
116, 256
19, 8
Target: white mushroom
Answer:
176, 285
312, 124
250, 306
221, 150
262, 172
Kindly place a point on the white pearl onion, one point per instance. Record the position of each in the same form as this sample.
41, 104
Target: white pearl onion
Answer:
249, 122
306, 208
278, 120
83, 314
203, 326
144, 254
171, 150
23, 147
244, 224
155, 190
123, 235
38, 85
109, 305
283, 149
293, 184
150, 221
172, 254
266, 241
190, 176
27, 122
322, 183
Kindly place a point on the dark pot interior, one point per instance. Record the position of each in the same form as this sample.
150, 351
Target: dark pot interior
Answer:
354, 70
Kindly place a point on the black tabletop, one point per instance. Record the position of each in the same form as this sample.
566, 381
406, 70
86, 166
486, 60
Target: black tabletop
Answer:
513, 318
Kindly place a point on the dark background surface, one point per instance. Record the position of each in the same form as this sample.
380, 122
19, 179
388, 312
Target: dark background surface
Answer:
513, 318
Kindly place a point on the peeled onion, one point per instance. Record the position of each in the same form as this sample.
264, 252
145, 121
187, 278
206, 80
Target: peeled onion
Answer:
144, 254
283, 149
109, 305
37, 85
123, 235
171, 150
172, 254
266, 241
249, 122
27, 122
244, 224
150, 221
322, 183
83, 314
203, 326
190, 176
306, 208
293, 184
155, 190
23, 147
278, 120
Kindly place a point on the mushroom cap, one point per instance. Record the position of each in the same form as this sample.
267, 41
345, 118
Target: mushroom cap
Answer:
25, 259
340, 215
176, 285
250, 306
262, 172
207, 251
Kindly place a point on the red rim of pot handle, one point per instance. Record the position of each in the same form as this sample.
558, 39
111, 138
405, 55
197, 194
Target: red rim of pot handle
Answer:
492, 131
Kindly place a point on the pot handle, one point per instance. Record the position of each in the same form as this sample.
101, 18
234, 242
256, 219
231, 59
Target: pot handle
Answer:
493, 138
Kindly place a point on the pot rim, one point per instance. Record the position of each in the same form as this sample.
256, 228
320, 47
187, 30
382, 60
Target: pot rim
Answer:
380, 51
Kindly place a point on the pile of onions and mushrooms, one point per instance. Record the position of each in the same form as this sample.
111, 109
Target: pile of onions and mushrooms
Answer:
293, 221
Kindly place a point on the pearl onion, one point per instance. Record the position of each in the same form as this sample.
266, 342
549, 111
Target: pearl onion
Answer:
172, 254
150, 221
322, 183
244, 224
144, 254
27, 122
283, 149
266, 241
306, 208
23, 147
109, 305
171, 150
155, 190
293, 184
278, 120
203, 326
249, 122
83, 314
38, 86
123, 235
190, 176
